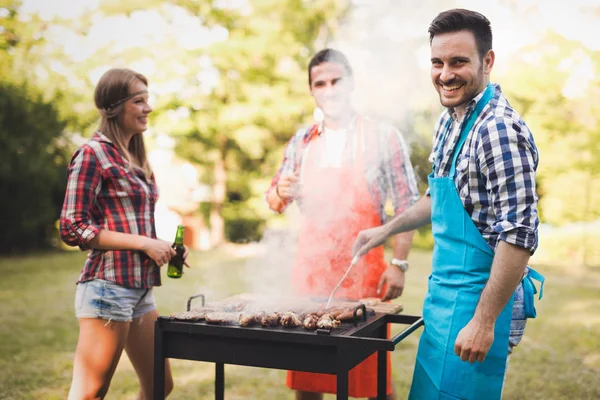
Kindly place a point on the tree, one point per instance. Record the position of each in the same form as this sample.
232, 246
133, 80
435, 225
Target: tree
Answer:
238, 97
551, 84
32, 172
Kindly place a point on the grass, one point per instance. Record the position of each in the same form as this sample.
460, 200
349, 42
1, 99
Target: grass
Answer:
559, 357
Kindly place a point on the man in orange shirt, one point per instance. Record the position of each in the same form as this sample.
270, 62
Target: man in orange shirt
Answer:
341, 173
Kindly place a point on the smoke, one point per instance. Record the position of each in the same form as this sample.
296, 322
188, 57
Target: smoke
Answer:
387, 45
270, 274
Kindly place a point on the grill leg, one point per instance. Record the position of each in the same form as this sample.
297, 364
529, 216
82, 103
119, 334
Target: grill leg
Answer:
219, 381
382, 367
159, 364
342, 385
381, 374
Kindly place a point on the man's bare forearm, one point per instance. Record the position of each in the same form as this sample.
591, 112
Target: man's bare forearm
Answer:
415, 217
402, 244
507, 270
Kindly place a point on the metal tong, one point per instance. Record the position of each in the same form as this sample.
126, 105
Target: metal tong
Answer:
352, 264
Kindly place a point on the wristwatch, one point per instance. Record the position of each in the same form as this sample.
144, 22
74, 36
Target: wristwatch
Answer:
402, 264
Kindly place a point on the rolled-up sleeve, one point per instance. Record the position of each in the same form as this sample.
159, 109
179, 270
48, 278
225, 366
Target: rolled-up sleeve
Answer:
287, 166
83, 186
508, 159
400, 174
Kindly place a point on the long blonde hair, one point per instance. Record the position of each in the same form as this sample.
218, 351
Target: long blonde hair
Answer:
111, 93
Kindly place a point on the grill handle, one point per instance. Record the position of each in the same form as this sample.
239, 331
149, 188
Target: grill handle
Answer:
189, 302
410, 329
355, 317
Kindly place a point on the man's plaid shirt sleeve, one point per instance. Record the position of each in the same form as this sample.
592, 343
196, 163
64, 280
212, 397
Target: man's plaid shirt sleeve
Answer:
508, 159
83, 185
288, 165
400, 173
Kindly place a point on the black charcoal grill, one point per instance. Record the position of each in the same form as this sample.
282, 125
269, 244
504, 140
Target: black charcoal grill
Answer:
334, 351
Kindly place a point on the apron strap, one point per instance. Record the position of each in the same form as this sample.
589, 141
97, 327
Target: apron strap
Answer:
487, 96
534, 275
464, 132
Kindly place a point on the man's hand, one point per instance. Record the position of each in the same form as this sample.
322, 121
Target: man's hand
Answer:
474, 341
394, 278
287, 187
368, 239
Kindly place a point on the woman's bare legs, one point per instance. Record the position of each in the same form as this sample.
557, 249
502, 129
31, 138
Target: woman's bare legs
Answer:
98, 351
140, 349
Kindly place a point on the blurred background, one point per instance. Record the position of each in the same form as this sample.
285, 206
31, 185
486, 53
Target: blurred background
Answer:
228, 84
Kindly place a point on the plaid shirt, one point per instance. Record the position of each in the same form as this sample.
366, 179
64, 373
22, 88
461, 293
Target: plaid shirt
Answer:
389, 172
103, 193
495, 171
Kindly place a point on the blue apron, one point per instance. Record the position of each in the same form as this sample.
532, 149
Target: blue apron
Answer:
461, 266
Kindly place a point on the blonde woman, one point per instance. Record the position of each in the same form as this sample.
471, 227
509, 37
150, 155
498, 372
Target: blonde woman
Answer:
109, 209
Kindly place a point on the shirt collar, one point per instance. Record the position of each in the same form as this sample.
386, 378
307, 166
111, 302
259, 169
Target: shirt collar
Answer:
351, 125
99, 136
470, 105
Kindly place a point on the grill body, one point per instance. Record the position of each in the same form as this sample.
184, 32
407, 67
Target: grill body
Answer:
333, 352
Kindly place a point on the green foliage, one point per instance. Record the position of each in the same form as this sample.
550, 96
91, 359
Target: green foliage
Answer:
34, 154
32, 172
553, 85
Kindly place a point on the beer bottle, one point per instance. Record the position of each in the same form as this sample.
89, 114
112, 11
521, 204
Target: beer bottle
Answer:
175, 269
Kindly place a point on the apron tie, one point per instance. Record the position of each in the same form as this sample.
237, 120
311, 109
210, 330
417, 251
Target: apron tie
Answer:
529, 291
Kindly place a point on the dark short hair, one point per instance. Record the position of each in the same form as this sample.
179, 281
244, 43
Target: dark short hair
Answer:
459, 19
329, 55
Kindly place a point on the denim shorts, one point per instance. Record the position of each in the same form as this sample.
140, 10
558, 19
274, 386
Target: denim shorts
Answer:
102, 299
518, 322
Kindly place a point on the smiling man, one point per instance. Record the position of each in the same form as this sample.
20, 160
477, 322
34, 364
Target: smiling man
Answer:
482, 205
341, 172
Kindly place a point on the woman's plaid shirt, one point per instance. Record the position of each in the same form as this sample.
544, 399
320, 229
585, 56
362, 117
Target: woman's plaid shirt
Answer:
103, 193
495, 171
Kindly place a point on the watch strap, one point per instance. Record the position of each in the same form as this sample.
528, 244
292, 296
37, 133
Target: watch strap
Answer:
402, 264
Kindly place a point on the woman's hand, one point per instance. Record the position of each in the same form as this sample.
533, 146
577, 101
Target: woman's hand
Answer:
158, 250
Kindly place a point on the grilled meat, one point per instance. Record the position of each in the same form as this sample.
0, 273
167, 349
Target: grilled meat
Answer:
348, 314
327, 322
219, 317
290, 320
310, 321
195, 314
270, 320
248, 319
